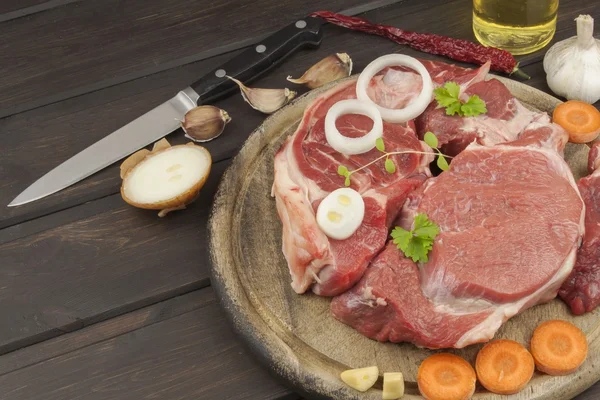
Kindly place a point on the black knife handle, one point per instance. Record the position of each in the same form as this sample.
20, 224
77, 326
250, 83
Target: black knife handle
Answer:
259, 58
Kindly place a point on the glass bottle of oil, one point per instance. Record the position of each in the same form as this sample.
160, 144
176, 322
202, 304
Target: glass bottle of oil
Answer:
518, 26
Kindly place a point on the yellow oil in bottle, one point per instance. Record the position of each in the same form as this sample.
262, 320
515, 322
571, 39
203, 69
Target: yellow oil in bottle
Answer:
518, 26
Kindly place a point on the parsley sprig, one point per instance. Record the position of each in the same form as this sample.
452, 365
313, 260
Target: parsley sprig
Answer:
418, 242
448, 97
389, 165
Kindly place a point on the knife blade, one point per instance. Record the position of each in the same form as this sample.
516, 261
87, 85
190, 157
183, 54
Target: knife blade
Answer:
164, 119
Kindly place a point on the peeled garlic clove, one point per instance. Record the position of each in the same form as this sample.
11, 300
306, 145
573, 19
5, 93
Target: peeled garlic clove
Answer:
265, 100
361, 379
393, 386
204, 123
329, 69
166, 179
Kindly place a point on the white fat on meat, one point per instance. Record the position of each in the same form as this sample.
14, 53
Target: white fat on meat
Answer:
485, 331
493, 130
302, 238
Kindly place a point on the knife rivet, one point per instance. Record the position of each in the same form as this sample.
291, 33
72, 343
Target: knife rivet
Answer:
301, 24
261, 48
220, 73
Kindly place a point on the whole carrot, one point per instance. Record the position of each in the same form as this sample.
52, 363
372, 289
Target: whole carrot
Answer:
456, 49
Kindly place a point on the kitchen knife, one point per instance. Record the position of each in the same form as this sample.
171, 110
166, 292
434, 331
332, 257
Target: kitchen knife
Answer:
165, 118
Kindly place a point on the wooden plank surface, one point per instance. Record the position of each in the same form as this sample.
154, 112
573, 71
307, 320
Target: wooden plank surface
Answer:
13, 6
178, 349
73, 71
112, 260
93, 44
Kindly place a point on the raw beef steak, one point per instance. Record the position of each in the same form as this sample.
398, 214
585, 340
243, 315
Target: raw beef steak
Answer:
511, 220
306, 172
581, 290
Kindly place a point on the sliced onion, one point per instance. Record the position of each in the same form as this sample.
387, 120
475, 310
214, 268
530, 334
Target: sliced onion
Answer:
347, 145
416, 106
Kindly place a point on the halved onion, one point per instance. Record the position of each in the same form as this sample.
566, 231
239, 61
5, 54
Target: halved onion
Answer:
416, 106
166, 178
347, 145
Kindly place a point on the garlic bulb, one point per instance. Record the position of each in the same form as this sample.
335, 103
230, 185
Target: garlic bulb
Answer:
573, 65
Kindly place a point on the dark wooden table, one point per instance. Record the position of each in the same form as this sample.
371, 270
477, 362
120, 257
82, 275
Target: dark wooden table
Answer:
103, 301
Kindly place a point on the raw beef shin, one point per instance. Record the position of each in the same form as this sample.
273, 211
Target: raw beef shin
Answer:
581, 290
306, 171
511, 220
505, 120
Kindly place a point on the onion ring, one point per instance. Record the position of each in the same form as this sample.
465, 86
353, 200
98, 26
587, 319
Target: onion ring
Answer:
347, 145
416, 106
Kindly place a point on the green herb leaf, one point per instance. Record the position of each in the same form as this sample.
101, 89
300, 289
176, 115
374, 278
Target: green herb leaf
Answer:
447, 97
454, 108
418, 249
424, 228
431, 140
452, 88
347, 180
442, 163
401, 237
390, 166
342, 171
473, 107
418, 242
380, 145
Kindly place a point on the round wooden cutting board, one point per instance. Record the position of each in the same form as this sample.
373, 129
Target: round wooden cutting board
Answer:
294, 335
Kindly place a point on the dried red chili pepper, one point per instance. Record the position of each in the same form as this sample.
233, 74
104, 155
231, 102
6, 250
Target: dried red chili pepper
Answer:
456, 49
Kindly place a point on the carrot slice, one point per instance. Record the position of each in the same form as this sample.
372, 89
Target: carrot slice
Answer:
444, 376
579, 119
558, 347
504, 366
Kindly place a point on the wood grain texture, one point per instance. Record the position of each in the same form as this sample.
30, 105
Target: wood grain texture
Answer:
113, 260
105, 330
295, 335
10, 9
8, 6
180, 349
68, 48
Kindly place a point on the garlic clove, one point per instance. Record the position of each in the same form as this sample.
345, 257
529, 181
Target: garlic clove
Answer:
393, 386
361, 379
266, 101
329, 69
572, 66
166, 179
204, 123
